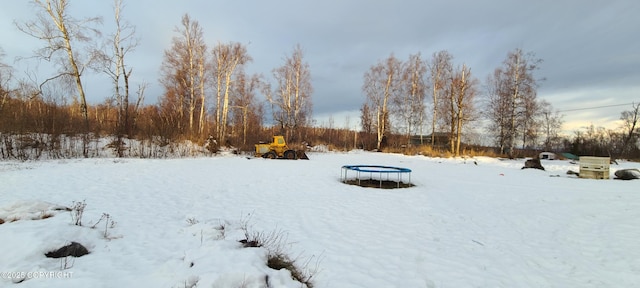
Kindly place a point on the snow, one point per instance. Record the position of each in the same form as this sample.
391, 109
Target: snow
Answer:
177, 223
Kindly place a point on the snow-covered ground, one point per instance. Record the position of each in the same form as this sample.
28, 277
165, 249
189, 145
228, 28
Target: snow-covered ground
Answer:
177, 222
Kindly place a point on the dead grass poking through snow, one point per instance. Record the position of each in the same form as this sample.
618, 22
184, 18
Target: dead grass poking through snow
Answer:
276, 243
45, 215
300, 273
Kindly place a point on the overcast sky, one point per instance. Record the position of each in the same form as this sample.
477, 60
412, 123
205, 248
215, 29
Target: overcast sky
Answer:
590, 49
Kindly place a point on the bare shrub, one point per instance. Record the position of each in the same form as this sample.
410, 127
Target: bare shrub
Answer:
222, 229
108, 223
275, 242
302, 273
192, 221
427, 150
118, 146
77, 210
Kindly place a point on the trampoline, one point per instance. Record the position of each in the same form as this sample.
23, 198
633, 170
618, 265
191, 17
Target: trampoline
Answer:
378, 174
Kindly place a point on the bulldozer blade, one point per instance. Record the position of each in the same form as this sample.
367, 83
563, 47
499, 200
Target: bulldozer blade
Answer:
302, 155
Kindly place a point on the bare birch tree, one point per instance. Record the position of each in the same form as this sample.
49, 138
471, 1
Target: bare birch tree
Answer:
497, 110
122, 42
203, 76
381, 86
530, 121
367, 124
244, 105
515, 82
62, 33
440, 69
410, 103
551, 122
463, 92
227, 58
182, 70
291, 101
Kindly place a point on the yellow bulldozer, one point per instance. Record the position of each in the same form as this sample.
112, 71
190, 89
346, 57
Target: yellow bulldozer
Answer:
278, 149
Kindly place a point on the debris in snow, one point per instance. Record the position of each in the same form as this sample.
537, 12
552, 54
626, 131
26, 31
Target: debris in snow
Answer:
533, 163
74, 249
627, 174
571, 172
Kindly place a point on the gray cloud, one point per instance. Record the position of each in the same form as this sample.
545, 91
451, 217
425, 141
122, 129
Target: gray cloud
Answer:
590, 48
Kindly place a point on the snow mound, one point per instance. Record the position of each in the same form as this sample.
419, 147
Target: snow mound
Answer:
468, 222
29, 210
319, 148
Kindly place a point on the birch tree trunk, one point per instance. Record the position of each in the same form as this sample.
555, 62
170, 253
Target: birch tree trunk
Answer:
202, 77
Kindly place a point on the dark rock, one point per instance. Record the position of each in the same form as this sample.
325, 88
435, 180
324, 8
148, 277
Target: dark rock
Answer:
627, 174
247, 244
533, 163
74, 249
571, 172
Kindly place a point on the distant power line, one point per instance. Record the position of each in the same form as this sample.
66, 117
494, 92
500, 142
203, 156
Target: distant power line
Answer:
597, 107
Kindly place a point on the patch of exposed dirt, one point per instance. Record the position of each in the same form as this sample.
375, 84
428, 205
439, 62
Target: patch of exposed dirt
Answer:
374, 183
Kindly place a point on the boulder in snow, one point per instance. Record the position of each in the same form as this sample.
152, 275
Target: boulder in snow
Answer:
627, 174
533, 163
74, 249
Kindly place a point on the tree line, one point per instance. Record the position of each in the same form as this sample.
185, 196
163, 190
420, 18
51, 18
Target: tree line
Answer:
208, 96
401, 96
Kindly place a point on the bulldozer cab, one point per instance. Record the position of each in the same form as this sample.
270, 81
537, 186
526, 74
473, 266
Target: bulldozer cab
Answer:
279, 146
278, 141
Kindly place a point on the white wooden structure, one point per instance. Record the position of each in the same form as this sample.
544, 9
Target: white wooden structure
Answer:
594, 167
547, 156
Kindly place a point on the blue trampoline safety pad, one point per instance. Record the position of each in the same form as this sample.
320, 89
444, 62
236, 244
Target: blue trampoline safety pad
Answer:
377, 169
